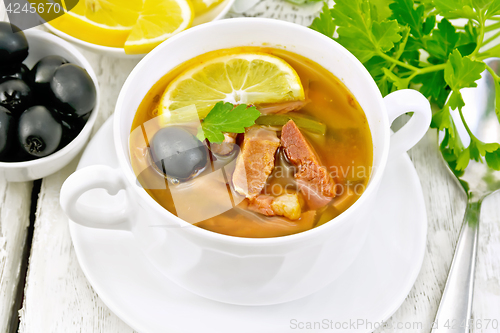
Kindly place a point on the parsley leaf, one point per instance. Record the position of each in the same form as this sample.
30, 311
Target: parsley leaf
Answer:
463, 160
462, 72
456, 100
406, 14
360, 29
443, 120
443, 40
467, 41
385, 34
493, 159
382, 8
324, 22
376, 66
429, 24
476, 149
399, 82
411, 52
224, 117
493, 9
434, 86
453, 9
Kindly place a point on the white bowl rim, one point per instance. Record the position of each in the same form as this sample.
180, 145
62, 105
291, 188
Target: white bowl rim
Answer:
93, 116
119, 51
373, 183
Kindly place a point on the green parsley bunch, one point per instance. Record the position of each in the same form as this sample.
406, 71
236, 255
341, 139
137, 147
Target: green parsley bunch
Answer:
422, 45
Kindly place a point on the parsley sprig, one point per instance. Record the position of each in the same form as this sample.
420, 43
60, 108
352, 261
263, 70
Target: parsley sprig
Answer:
225, 117
402, 45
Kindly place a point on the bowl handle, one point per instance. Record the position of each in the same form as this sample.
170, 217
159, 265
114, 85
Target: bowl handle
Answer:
104, 217
400, 102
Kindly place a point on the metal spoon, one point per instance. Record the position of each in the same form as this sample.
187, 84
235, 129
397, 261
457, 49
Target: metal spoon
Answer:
478, 181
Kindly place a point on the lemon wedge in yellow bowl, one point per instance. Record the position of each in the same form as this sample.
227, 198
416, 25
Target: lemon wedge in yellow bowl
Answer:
201, 6
159, 20
106, 22
136, 25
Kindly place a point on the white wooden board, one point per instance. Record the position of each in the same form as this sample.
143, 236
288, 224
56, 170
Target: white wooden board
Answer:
14, 222
58, 298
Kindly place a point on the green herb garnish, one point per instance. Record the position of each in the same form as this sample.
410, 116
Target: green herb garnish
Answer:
225, 118
402, 45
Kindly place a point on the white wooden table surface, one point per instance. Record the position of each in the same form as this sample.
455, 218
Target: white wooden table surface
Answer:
49, 293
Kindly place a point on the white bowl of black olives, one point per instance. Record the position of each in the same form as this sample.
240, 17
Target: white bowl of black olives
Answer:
49, 99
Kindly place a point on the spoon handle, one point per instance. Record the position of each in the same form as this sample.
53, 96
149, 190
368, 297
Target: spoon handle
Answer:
455, 308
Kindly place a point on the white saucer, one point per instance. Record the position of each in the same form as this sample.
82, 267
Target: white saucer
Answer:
372, 289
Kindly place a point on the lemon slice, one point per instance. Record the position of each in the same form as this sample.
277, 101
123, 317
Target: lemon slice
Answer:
244, 78
201, 6
159, 20
102, 22
136, 25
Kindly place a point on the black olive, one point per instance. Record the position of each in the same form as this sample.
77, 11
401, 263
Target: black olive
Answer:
73, 89
15, 72
39, 132
178, 153
15, 95
7, 130
64, 115
43, 72
70, 130
13, 45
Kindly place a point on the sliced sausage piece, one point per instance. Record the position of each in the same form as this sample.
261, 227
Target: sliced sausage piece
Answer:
313, 179
255, 161
226, 147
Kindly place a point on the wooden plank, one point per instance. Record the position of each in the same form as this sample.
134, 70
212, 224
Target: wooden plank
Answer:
15, 199
486, 306
58, 297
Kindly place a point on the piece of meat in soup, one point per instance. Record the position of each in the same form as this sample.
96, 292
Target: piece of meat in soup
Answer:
255, 161
313, 179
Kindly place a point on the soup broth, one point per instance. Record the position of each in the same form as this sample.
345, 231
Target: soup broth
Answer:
345, 151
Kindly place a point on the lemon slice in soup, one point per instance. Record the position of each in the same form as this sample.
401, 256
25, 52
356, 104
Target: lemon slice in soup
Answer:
244, 78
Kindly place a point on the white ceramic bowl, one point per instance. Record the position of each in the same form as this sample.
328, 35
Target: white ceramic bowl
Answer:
213, 14
42, 44
229, 269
